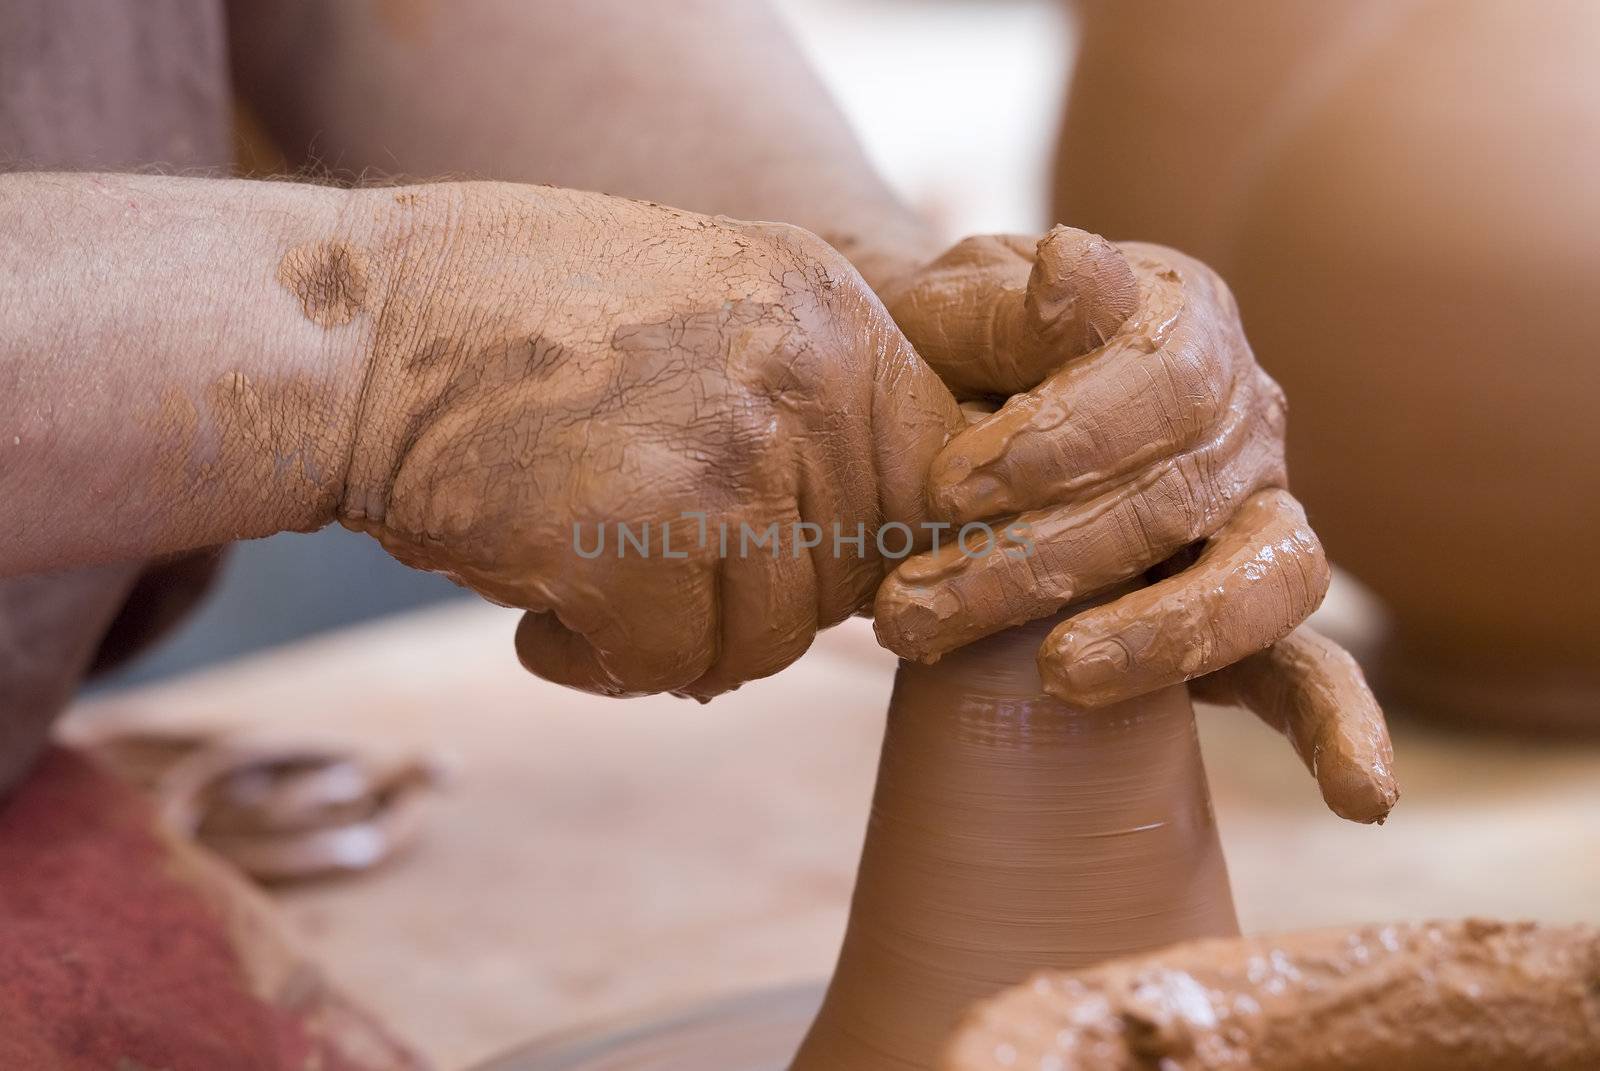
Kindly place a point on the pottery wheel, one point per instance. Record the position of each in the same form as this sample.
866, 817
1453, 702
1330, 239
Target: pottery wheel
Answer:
756, 1032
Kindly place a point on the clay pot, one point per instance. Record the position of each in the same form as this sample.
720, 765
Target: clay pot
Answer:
1403, 195
1009, 833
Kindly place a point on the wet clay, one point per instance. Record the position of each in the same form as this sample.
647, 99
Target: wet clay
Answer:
997, 314
1401, 194
1448, 996
1149, 441
1140, 437
1153, 442
329, 279
1009, 833
1311, 690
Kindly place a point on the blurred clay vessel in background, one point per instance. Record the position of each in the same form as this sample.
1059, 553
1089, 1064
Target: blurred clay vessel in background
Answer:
1405, 196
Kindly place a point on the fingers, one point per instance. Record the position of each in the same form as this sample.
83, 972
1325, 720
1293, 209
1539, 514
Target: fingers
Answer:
1043, 560
626, 626
913, 416
606, 661
997, 313
764, 617
768, 605
1310, 689
1176, 371
1259, 576
1080, 292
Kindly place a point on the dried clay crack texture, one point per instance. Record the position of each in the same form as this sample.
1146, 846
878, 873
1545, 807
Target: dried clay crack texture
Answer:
1438, 996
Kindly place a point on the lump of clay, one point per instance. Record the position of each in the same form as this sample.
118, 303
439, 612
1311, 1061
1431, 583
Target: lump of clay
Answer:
1441, 996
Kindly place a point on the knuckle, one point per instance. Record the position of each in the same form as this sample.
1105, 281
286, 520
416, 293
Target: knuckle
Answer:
1220, 291
1199, 370
988, 251
1172, 513
799, 249
1274, 402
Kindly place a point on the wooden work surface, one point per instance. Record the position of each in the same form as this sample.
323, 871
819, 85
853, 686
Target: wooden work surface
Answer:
594, 859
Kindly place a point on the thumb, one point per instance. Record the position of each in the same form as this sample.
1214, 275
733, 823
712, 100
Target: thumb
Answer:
913, 416
996, 314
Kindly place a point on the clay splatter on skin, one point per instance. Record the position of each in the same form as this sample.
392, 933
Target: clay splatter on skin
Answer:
1463, 996
287, 434
519, 393
329, 279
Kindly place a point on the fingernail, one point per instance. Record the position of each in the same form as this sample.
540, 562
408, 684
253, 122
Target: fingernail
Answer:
1100, 664
914, 623
1358, 795
1086, 672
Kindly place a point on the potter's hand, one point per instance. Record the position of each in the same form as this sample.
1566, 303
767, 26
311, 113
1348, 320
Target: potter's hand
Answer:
1152, 439
1309, 689
1153, 428
556, 373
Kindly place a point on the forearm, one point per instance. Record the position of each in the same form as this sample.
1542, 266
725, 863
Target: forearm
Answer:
701, 104
180, 362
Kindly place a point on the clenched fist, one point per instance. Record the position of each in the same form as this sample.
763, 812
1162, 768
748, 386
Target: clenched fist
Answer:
645, 427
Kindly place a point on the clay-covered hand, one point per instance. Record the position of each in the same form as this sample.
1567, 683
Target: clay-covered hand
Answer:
1151, 428
1138, 437
642, 426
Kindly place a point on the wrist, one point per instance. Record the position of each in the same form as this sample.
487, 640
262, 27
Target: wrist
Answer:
314, 363
254, 404
403, 230
446, 256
